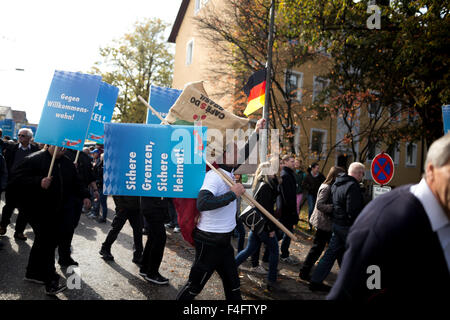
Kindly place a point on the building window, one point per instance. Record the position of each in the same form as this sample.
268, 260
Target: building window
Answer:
318, 138
411, 154
394, 152
319, 85
372, 150
375, 106
189, 52
395, 112
293, 84
199, 4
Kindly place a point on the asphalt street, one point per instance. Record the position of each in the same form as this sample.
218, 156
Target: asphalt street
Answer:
100, 280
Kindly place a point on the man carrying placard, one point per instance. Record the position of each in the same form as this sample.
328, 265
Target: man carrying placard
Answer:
46, 206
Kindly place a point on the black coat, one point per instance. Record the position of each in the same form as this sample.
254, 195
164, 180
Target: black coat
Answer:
312, 184
29, 174
84, 166
155, 209
288, 192
348, 200
127, 203
9, 151
394, 233
266, 196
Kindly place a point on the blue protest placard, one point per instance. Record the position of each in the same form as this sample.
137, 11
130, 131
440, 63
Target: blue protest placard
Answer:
161, 99
67, 110
446, 118
154, 160
8, 126
103, 110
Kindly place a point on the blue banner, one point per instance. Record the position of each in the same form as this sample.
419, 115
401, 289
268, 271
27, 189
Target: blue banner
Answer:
446, 118
68, 108
103, 111
161, 99
8, 126
154, 160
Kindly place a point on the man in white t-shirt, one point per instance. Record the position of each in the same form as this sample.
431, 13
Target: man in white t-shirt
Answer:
213, 251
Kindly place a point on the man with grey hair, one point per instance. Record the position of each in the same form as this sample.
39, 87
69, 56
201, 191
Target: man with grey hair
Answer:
348, 201
15, 153
399, 247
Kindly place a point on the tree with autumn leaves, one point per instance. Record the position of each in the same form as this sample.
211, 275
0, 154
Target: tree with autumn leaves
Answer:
134, 62
383, 85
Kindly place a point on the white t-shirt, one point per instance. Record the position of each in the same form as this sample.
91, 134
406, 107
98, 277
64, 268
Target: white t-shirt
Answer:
220, 220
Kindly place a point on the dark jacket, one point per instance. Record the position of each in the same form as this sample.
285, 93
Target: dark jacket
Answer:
155, 209
394, 233
288, 194
127, 203
299, 178
98, 173
9, 151
84, 166
312, 184
65, 182
348, 200
267, 196
3, 173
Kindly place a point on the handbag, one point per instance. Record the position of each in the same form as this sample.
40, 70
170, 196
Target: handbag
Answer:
252, 218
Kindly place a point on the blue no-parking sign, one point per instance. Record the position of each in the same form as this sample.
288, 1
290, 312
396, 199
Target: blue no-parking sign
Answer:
161, 99
154, 160
67, 110
103, 110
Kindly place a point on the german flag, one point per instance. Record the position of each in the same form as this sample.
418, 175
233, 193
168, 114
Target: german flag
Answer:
255, 89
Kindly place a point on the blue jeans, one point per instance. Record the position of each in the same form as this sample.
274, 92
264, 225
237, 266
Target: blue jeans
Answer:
311, 204
103, 200
286, 242
254, 242
334, 252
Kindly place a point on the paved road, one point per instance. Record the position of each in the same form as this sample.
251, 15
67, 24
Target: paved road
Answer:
120, 279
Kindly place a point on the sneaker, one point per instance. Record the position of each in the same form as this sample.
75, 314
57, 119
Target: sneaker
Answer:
54, 288
67, 262
176, 229
92, 216
2, 231
20, 236
169, 226
106, 254
314, 286
158, 279
290, 260
142, 273
33, 279
259, 270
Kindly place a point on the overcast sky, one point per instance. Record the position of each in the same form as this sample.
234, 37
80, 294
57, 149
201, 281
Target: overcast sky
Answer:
47, 35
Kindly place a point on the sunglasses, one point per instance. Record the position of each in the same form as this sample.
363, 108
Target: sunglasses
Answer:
23, 135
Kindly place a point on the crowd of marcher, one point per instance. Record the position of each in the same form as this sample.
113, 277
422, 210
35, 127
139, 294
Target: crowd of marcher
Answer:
347, 228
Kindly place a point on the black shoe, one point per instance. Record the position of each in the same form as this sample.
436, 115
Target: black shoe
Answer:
101, 220
304, 275
158, 279
145, 232
106, 254
54, 288
314, 286
67, 262
20, 236
169, 226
